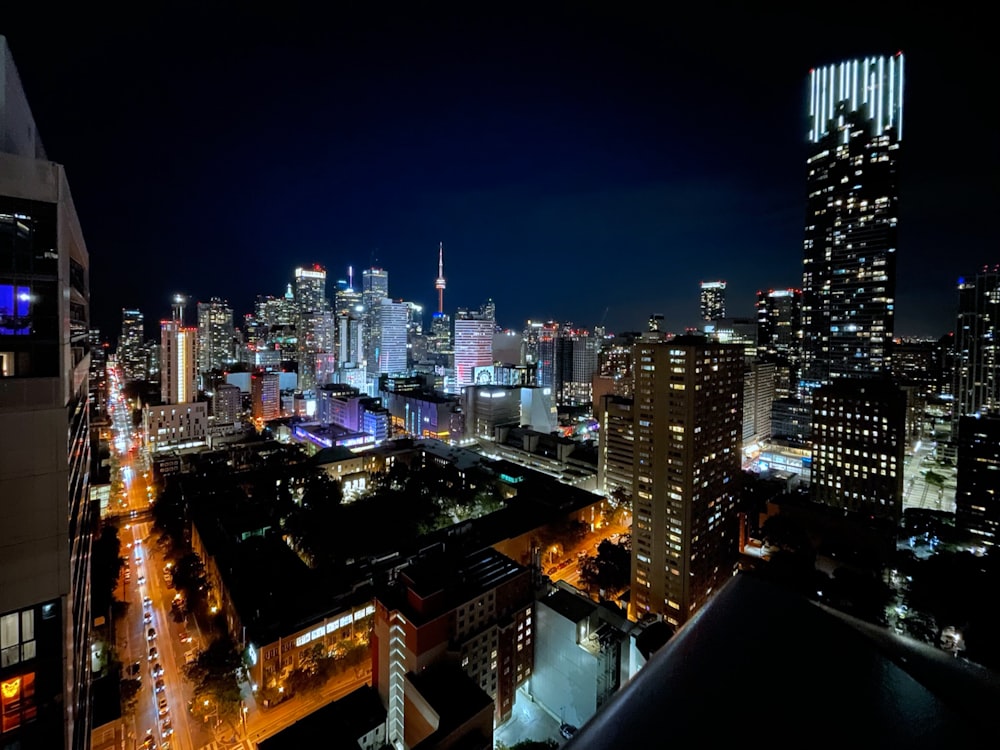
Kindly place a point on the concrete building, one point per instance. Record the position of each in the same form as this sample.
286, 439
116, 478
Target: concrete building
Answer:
473, 347
758, 399
46, 517
977, 499
688, 414
178, 362
227, 404
475, 611
175, 425
616, 452
393, 318
859, 438
265, 396
582, 652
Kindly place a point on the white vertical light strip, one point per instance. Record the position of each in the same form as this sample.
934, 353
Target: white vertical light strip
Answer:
871, 96
864, 92
830, 100
822, 104
843, 74
812, 105
854, 85
891, 102
899, 127
881, 91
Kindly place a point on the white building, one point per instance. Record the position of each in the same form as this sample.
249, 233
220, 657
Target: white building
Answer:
175, 425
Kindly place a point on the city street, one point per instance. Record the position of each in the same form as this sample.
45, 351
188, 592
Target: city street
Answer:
917, 491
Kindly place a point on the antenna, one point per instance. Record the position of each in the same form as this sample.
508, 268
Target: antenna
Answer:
439, 283
350, 278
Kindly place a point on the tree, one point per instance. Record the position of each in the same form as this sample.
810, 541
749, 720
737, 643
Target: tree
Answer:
215, 676
189, 577
611, 569
316, 666
130, 694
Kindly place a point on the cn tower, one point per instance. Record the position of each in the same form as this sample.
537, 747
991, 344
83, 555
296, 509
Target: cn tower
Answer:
439, 282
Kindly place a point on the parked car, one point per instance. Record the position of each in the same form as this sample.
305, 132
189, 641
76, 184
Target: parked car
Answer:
153, 653
567, 730
185, 638
164, 708
157, 670
160, 686
151, 634
147, 617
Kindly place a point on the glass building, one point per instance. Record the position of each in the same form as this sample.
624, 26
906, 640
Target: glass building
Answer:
849, 249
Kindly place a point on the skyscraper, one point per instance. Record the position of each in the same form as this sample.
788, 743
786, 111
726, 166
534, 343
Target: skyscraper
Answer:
977, 345
310, 288
977, 500
779, 320
713, 300
439, 282
688, 413
849, 249
473, 345
46, 516
178, 362
131, 355
392, 324
374, 288
215, 335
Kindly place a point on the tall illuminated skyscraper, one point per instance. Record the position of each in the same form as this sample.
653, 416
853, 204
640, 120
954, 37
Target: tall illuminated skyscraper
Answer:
977, 345
374, 288
687, 414
215, 335
178, 362
713, 300
849, 249
310, 288
131, 354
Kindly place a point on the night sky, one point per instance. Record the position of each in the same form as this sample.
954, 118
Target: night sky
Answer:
582, 164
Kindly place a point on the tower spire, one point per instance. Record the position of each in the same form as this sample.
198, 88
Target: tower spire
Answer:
439, 283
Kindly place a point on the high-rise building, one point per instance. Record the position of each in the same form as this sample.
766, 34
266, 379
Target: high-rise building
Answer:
215, 335
688, 414
393, 318
348, 300
473, 346
977, 499
131, 355
178, 360
849, 249
265, 396
310, 288
46, 516
713, 300
976, 360
227, 404
779, 319
859, 438
374, 288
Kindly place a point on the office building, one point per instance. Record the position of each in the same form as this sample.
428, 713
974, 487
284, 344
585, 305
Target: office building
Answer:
170, 426
347, 300
688, 414
758, 399
616, 452
859, 438
713, 301
178, 360
849, 249
131, 354
393, 320
976, 360
977, 499
310, 288
473, 346
374, 288
265, 396
46, 517
227, 404
216, 335
779, 321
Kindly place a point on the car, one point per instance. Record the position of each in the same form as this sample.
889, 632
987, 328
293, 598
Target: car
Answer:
151, 634
185, 638
149, 743
147, 602
142, 580
567, 730
162, 705
134, 672
160, 685
165, 729
147, 617
153, 653
157, 670
138, 557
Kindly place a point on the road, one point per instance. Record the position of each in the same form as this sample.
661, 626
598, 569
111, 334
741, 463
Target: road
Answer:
917, 493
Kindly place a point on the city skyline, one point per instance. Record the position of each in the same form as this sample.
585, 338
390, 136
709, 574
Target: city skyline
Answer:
598, 167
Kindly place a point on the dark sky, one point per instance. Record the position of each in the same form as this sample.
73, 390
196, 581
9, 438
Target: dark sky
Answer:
585, 163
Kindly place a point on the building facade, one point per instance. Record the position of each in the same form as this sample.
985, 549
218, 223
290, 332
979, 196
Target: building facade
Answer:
265, 396
976, 361
473, 346
178, 362
849, 249
713, 300
977, 499
215, 335
859, 438
46, 517
688, 419
393, 319
131, 353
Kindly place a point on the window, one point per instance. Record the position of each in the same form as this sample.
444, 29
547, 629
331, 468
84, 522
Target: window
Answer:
17, 701
17, 637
